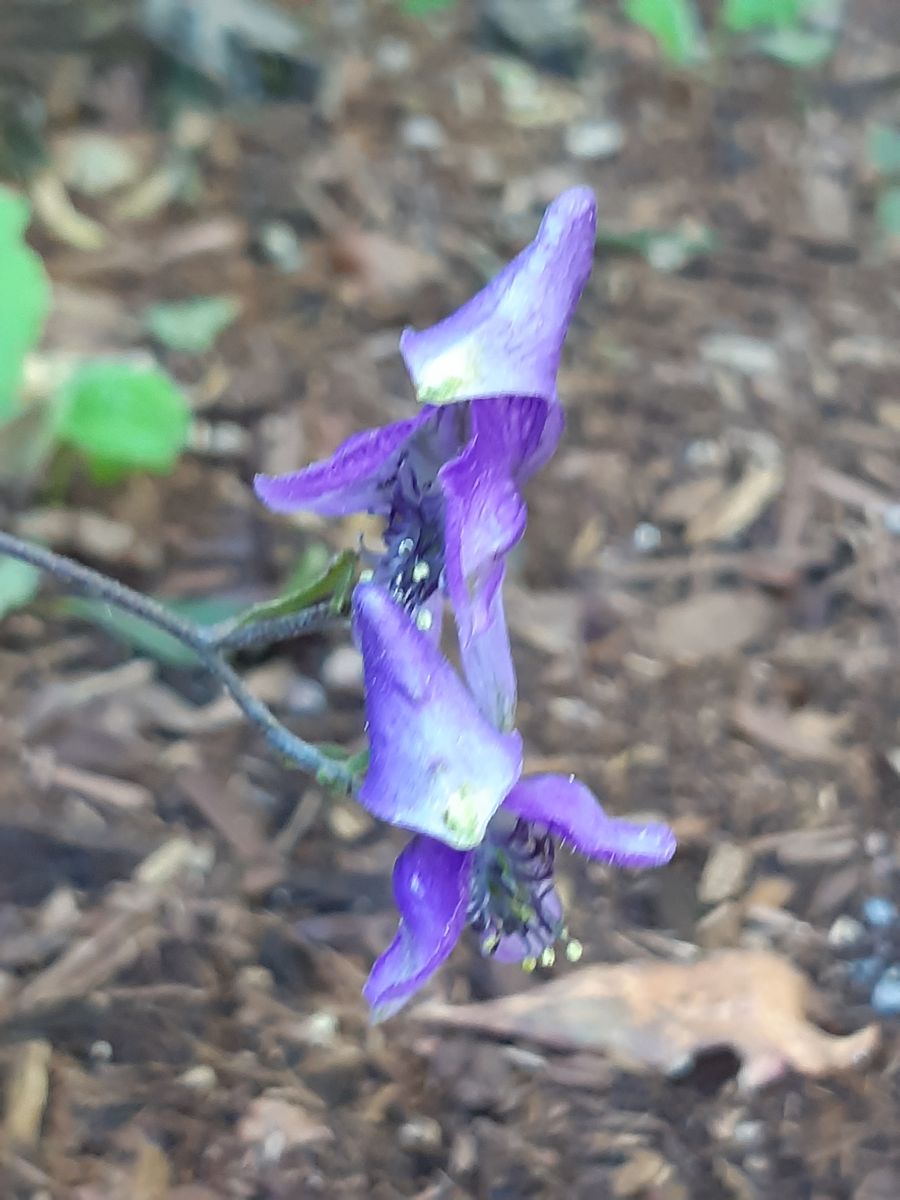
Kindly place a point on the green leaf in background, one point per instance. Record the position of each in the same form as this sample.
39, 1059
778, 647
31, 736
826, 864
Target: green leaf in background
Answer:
883, 149
424, 8
799, 47
24, 296
138, 634
145, 638
19, 583
887, 212
123, 418
334, 582
742, 16
674, 24
191, 326
665, 249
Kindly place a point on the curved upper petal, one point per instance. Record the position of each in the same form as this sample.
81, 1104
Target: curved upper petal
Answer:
569, 810
352, 480
431, 888
509, 337
436, 765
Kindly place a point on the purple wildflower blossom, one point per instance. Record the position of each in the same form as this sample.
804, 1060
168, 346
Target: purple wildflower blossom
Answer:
448, 480
508, 338
484, 846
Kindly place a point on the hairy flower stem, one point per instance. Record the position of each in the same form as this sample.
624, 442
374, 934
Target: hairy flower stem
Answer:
207, 644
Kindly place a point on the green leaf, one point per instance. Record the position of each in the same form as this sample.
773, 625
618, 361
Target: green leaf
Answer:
674, 24
357, 764
24, 296
191, 326
799, 47
887, 211
883, 147
140, 635
143, 636
123, 418
19, 582
424, 8
336, 582
665, 249
743, 16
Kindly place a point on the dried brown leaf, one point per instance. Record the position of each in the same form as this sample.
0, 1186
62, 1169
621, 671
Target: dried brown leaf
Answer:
277, 1124
708, 624
380, 271
660, 1015
805, 734
735, 510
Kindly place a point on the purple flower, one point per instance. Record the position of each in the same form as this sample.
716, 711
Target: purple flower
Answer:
484, 845
508, 339
448, 480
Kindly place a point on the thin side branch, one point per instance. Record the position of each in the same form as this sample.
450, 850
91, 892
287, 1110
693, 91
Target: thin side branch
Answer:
100, 587
231, 636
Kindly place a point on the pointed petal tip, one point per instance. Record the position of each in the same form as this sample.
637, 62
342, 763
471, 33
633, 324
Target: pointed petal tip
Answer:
575, 205
650, 845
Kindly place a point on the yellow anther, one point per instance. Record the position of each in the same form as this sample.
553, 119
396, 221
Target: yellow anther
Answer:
574, 950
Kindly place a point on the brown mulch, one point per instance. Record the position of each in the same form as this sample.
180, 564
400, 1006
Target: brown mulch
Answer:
705, 618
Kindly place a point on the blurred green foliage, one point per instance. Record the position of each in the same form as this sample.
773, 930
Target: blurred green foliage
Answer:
675, 25
424, 8
799, 33
123, 418
119, 417
24, 297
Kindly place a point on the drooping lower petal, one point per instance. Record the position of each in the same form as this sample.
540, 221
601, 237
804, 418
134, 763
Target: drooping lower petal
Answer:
437, 766
484, 517
488, 665
508, 338
566, 808
352, 480
431, 889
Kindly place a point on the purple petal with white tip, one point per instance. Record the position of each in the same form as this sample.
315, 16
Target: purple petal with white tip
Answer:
508, 338
436, 765
352, 480
431, 889
568, 809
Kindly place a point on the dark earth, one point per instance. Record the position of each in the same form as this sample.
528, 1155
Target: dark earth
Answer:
705, 611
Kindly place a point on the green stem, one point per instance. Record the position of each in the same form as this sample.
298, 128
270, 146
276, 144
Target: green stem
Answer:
206, 644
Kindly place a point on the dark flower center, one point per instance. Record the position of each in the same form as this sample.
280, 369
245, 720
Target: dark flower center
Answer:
411, 566
513, 905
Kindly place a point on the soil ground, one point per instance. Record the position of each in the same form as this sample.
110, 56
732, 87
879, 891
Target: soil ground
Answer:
705, 615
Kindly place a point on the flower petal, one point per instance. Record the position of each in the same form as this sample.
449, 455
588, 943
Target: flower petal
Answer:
351, 480
487, 663
436, 765
431, 888
508, 338
569, 810
484, 517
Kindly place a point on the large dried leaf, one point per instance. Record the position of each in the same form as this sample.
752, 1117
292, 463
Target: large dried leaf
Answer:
660, 1015
711, 623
